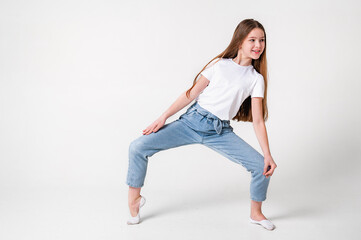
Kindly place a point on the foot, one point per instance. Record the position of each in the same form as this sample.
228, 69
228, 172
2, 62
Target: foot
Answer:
134, 207
262, 220
258, 216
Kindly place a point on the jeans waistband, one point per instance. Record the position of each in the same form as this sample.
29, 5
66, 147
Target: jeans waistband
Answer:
217, 123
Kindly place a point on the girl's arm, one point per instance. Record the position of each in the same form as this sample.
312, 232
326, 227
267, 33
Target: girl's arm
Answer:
179, 104
261, 133
183, 100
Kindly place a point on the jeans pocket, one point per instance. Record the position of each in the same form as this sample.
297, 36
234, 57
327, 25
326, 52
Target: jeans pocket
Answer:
191, 111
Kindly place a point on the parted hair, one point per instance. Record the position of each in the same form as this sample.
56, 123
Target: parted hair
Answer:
242, 30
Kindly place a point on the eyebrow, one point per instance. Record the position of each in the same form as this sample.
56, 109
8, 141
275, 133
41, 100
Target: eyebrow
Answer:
255, 37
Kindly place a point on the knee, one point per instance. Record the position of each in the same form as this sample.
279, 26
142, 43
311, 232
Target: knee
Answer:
136, 146
258, 160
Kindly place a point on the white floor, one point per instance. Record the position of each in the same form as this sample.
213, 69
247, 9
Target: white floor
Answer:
324, 210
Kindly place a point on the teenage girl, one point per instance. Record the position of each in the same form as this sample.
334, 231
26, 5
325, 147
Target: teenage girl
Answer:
232, 86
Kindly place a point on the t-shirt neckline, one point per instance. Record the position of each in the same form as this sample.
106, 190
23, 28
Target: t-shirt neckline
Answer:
249, 66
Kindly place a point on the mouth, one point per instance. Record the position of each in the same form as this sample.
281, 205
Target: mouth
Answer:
256, 51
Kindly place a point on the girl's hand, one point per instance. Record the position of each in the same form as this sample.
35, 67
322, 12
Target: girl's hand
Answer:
269, 166
155, 126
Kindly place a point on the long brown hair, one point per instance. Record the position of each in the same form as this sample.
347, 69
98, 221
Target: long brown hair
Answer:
260, 65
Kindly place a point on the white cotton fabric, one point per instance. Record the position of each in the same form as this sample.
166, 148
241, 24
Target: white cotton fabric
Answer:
230, 84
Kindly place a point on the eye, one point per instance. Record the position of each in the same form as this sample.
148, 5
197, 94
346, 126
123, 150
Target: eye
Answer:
262, 40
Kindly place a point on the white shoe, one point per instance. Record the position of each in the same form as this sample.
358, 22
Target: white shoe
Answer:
136, 219
267, 224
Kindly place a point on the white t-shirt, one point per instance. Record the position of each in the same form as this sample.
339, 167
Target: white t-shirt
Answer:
230, 84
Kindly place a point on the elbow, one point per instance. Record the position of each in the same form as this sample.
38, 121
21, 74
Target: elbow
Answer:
258, 121
193, 95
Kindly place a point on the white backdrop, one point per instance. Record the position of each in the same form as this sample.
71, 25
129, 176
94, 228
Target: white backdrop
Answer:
79, 80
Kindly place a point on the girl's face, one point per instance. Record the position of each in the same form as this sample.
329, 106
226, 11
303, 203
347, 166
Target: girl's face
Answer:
253, 45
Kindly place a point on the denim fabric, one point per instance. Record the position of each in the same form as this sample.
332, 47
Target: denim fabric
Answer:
197, 125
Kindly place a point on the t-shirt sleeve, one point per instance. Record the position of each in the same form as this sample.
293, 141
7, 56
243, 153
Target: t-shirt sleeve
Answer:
209, 71
258, 90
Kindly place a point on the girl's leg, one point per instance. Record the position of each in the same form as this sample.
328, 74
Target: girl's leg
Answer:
171, 135
237, 150
133, 200
256, 211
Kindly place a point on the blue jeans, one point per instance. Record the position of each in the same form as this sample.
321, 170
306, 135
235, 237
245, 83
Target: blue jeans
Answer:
197, 125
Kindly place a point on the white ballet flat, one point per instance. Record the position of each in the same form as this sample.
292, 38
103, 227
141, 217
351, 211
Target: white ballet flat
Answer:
267, 224
136, 219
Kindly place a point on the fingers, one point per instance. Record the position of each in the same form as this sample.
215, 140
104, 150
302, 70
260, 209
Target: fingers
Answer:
266, 167
150, 129
156, 129
268, 170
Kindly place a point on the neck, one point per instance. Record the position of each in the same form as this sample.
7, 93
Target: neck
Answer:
242, 62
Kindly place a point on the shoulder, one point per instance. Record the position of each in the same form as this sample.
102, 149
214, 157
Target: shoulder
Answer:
256, 75
218, 61
259, 80
260, 77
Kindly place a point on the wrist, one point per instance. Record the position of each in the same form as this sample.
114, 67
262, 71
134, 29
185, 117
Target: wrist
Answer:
164, 115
